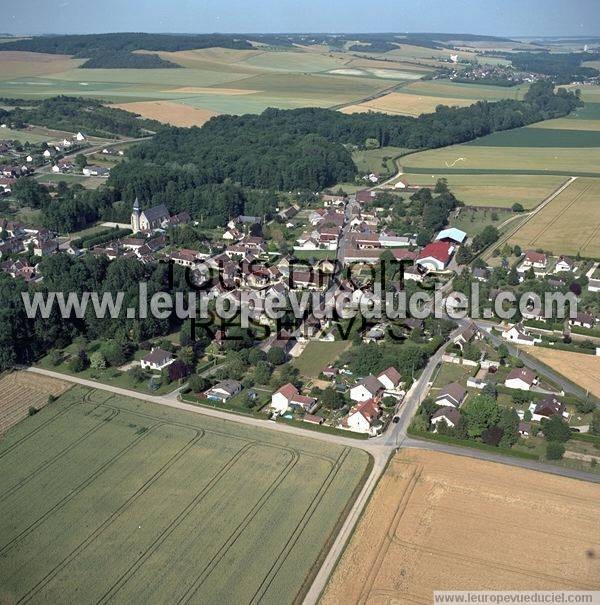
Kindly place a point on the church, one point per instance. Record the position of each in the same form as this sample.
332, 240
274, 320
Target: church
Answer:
146, 220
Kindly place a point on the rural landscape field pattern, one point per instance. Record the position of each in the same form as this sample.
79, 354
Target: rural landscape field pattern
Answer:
106, 500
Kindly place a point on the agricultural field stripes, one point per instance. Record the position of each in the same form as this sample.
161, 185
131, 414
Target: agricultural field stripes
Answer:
177, 502
570, 224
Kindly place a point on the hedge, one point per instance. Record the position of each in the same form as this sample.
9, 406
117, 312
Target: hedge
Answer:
100, 238
472, 444
322, 429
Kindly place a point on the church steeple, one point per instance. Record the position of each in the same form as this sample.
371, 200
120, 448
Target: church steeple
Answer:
135, 216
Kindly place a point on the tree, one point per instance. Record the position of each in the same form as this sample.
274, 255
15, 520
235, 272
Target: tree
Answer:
480, 413
137, 374
490, 390
276, 356
197, 383
332, 399
29, 192
554, 450
517, 207
97, 361
492, 435
76, 364
81, 161
520, 397
113, 352
556, 429
517, 251
262, 372
595, 422
186, 354
371, 144
509, 423
513, 277
178, 370
527, 415
471, 352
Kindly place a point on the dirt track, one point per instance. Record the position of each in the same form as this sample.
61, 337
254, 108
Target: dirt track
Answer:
442, 522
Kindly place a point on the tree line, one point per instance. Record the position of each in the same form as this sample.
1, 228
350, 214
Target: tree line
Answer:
75, 114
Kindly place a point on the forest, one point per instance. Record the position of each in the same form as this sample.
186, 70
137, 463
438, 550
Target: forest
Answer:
116, 50
308, 148
74, 114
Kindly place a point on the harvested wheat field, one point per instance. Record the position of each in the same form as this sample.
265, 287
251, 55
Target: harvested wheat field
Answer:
580, 368
20, 391
443, 522
405, 104
169, 112
570, 224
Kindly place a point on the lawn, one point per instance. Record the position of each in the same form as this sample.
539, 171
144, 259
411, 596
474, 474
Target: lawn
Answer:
377, 160
318, 355
452, 372
570, 224
152, 504
474, 220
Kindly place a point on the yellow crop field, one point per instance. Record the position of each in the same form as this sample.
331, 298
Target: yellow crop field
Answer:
494, 190
169, 112
20, 391
443, 522
570, 224
16, 64
405, 104
582, 369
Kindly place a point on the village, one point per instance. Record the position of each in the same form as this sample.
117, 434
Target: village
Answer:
330, 239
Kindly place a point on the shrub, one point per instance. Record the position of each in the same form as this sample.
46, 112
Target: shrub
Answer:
554, 450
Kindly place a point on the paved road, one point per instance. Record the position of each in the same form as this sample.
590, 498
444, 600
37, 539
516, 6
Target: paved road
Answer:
531, 362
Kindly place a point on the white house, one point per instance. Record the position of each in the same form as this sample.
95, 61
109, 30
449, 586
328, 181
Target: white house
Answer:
288, 397
362, 417
517, 335
564, 264
367, 388
157, 359
390, 379
449, 415
224, 390
546, 408
436, 256
521, 378
451, 396
80, 137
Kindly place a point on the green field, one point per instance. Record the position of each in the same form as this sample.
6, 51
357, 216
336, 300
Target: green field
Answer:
532, 151
106, 498
377, 160
318, 355
219, 80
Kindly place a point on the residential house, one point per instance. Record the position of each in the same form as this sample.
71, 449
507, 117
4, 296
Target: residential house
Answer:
564, 264
368, 388
537, 261
449, 415
518, 335
288, 397
546, 408
452, 395
521, 378
583, 320
466, 335
157, 359
524, 429
480, 274
363, 417
224, 390
436, 256
390, 379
